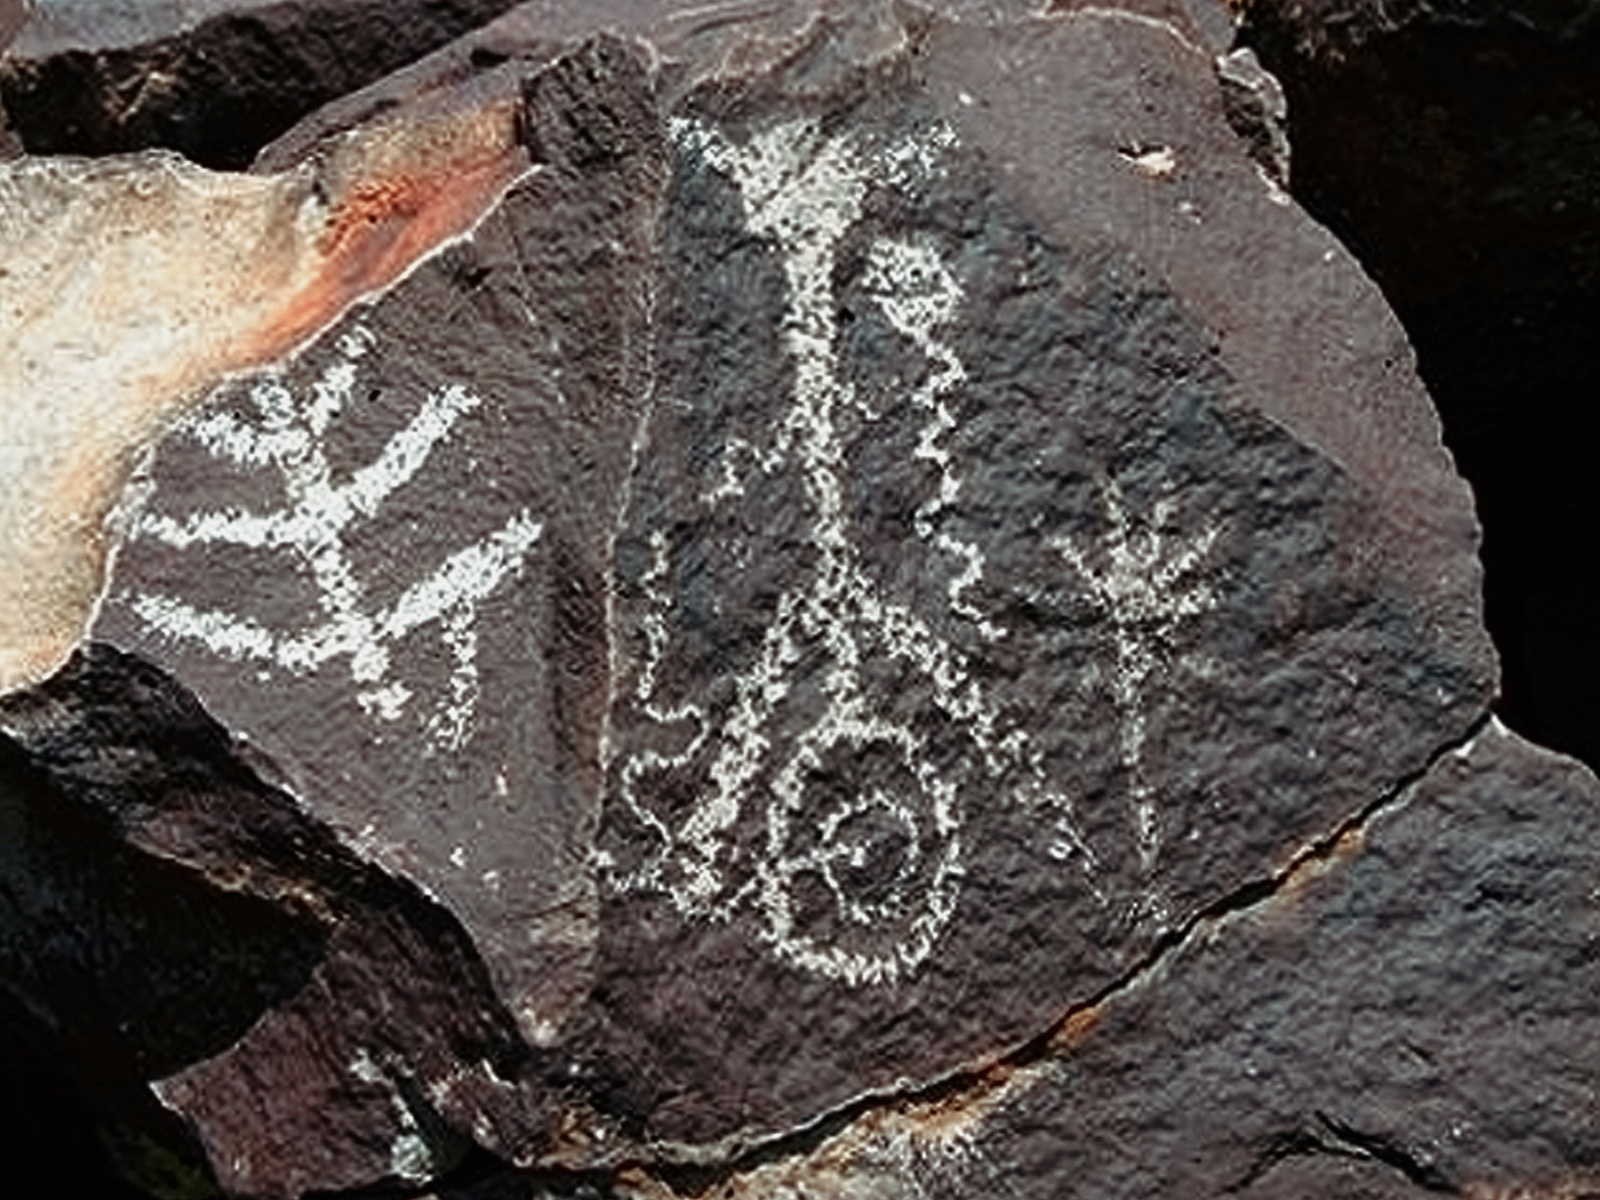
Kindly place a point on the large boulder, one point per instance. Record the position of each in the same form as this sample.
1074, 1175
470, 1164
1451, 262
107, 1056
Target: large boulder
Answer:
846, 538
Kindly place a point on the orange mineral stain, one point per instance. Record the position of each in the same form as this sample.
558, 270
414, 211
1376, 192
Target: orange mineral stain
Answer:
186, 277
1312, 869
378, 232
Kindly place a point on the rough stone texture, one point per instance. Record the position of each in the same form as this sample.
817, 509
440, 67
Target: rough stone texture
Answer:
1409, 1013
448, 464
187, 275
823, 579
1425, 998
12, 14
920, 661
211, 79
1257, 109
1456, 149
1208, 24
193, 939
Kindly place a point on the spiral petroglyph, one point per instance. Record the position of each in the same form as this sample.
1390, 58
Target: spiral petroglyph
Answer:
889, 859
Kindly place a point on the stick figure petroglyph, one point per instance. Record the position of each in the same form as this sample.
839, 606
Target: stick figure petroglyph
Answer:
314, 525
1138, 589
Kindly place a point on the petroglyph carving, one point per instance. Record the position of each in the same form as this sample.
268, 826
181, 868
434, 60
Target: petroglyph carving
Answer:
804, 191
1139, 585
287, 435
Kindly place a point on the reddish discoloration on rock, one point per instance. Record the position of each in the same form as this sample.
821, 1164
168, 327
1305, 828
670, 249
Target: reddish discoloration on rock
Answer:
1077, 1027
381, 230
190, 276
1306, 874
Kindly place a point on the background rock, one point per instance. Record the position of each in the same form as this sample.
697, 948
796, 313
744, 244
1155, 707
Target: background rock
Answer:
47, 1119
192, 939
212, 79
1456, 149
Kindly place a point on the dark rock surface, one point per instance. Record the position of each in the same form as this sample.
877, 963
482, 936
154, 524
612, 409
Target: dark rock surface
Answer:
917, 662
12, 15
1422, 1001
835, 644
824, 579
385, 564
1409, 1012
205, 952
1456, 149
214, 81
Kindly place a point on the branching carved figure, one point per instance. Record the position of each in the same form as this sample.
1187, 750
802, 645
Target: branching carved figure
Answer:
1138, 583
288, 437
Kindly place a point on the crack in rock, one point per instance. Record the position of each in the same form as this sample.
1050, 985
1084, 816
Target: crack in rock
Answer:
939, 1119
